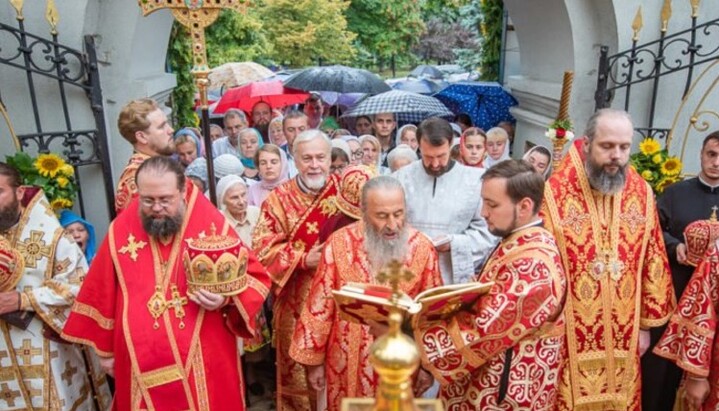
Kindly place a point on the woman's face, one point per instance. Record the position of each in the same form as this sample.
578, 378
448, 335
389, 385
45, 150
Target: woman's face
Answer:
270, 166
474, 149
539, 161
79, 233
277, 136
338, 165
236, 199
363, 126
495, 148
186, 152
369, 154
356, 152
248, 144
409, 137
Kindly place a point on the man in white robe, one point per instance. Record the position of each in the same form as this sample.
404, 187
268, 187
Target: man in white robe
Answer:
443, 202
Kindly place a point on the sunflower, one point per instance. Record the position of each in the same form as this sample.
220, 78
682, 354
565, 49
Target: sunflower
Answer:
672, 166
648, 175
62, 181
68, 170
649, 146
60, 203
657, 158
664, 183
48, 165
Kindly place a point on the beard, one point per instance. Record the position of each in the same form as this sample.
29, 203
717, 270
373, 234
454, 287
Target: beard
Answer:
505, 232
381, 251
263, 129
315, 183
603, 181
166, 150
436, 172
162, 227
10, 215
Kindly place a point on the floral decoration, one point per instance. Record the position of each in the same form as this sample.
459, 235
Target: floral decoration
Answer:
560, 130
656, 166
50, 173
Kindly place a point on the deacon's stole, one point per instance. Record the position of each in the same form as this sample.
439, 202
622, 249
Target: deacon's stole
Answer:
289, 226
467, 353
618, 281
690, 339
322, 337
126, 187
164, 363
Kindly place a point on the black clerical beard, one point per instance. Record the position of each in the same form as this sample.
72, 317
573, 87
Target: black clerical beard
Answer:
264, 131
381, 251
9, 215
162, 227
440, 172
603, 181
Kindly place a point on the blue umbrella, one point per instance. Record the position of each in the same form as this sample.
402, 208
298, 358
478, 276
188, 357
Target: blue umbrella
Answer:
486, 103
421, 86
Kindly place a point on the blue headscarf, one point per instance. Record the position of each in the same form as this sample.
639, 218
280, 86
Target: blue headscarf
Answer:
67, 217
247, 161
189, 132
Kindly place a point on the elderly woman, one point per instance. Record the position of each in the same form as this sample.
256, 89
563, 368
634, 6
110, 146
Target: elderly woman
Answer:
401, 156
355, 149
188, 146
407, 134
81, 231
371, 153
232, 201
273, 170
541, 159
250, 142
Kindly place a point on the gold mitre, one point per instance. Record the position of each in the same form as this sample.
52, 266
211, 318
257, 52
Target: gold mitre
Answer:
216, 263
12, 266
699, 236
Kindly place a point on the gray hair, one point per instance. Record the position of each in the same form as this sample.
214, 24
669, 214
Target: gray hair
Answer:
591, 130
402, 151
381, 183
235, 113
309, 135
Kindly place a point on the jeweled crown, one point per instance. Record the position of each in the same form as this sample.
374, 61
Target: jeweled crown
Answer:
699, 235
12, 265
216, 263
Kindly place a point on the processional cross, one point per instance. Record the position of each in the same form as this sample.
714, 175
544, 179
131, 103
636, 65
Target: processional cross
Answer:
197, 15
393, 273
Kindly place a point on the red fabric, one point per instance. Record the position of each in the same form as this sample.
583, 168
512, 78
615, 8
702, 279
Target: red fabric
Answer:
111, 314
271, 92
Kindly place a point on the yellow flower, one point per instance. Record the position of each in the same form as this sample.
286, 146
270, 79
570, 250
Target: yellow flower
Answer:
664, 183
48, 165
647, 175
68, 170
672, 166
649, 146
60, 203
657, 159
62, 181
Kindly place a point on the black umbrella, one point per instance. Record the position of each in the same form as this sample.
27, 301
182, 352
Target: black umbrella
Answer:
337, 78
424, 70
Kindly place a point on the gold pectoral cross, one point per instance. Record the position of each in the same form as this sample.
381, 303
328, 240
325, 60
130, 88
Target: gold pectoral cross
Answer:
158, 304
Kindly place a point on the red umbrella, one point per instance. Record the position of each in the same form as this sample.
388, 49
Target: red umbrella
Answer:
271, 92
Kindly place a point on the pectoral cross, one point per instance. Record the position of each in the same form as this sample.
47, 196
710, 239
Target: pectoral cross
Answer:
607, 264
176, 304
196, 15
393, 273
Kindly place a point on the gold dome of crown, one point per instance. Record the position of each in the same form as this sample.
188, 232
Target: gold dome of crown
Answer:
12, 265
216, 263
699, 235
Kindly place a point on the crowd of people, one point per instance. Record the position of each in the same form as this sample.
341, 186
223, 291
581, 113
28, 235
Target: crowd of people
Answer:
586, 269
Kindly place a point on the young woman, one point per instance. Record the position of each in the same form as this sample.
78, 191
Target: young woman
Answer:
187, 146
497, 146
363, 125
273, 170
250, 142
371, 149
541, 159
472, 147
407, 134
277, 134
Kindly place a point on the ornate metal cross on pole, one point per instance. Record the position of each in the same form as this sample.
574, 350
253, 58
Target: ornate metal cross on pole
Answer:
197, 15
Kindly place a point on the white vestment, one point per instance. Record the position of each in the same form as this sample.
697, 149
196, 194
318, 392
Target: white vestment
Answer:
449, 205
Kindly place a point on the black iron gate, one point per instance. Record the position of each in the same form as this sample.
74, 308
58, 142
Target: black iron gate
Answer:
677, 54
68, 68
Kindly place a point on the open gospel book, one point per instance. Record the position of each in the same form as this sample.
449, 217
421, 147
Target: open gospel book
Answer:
366, 303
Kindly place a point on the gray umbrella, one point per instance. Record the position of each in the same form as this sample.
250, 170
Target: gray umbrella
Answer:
337, 78
427, 71
408, 107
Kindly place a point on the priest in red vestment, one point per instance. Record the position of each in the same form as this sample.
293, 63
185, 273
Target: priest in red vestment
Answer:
503, 352
337, 351
168, 349
604, 218
287, 241
690, 339
144, 125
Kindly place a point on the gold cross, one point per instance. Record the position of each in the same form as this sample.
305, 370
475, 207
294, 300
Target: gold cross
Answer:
69, 372
34, 249
176, 304
27, 351
196, 15
393, 273
132, 247
8, 395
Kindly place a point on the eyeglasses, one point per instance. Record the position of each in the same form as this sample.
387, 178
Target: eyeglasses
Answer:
358, 154
337, 169
164, 202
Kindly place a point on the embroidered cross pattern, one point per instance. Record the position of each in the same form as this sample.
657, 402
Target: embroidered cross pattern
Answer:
34, 249
132, 247
8, 395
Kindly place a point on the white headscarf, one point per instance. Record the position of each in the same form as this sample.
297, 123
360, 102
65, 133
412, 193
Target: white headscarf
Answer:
545, 151
225, 184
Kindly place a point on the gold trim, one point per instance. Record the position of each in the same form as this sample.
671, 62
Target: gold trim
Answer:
637, 24
52, 16
666, 15
92, 312
18, 5
161, 376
